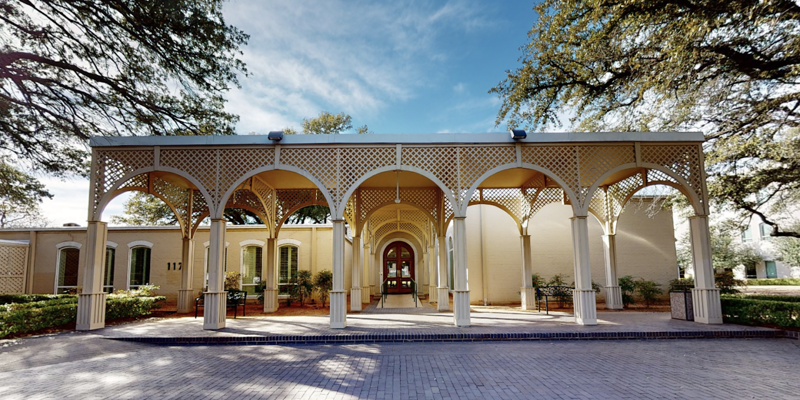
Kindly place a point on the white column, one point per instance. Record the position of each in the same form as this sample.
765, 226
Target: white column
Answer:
583, 295
92, 300
443, 297
186, 293
613, 292
433, 282
461, 292
270, 276
423, 282
215, 298
527, 291
374, 272
705, 295
355, 274
338, 294
366, 295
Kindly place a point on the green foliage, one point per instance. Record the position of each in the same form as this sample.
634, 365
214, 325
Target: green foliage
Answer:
726, 253
768, 282
648, 290
770, 297
680, 283
728, 68
789, 248
76, 69
557, 280
305, 286
330, 124
131, 307
727, 284
596, 287
29, 298
232, 280
627, 285
323, 282
20, 196
318, 214
746, 310
537, 281
144, 209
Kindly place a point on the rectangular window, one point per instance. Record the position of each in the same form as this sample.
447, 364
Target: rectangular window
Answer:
765, 231
140, 267
108, 273
288, 268
772, 269
251, 268
747, 235
68, 260
750, 272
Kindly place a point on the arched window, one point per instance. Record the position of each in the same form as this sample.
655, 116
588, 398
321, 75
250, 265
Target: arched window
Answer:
450, 261
139, 267
288, 267
108, 273
67, 274
251, 268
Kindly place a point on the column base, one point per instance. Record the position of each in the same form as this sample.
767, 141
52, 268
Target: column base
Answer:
214, 308
613, 298
185, 300
355, 299
707, 306
461, 308
373, 290
270, 300
585, 307
443, 297
91, 311
365, 296
432, 294
338, 309
528, 298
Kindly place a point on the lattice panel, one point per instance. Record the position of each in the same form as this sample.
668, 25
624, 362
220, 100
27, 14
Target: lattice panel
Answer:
266, 194
684, 160
139, 182
199, 209
598, 205
177, 198
546, 196
385, 230
512, 199
415, 216
288, 199
113, 165
538, 181
13, 260
244, 198
595, 161
476, 161
235, 163
350, 211
358, 161
414, 230
379, 217
619, 192
560, 160
202, 164
321, 163
372, 199
439, 161
654, 175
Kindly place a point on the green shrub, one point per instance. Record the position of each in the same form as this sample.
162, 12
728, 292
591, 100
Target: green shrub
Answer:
680, 283
323, 283
232, 280
777, 282
627, 285
727, 284
769, 297
743, 310
29, 298
557, 280
305, 286
537, 281
131, 307
649, 291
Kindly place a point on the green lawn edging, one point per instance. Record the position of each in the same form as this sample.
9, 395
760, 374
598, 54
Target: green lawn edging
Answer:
774, 282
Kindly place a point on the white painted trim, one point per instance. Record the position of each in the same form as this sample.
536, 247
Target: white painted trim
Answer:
383, 248
113, 245
15, 242
283, 242
68, 244
206, 244
249, 242
59, 247
140, 243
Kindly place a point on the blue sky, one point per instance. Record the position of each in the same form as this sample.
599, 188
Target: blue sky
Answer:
399, 67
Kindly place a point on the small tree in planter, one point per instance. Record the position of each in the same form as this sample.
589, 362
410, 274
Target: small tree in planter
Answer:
649, 291
323, 283
627, 285
305, 286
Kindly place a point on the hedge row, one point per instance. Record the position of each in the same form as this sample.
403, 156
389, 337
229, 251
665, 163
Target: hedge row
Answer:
30, 298
745, 310
774, 282
769, 297
33, 316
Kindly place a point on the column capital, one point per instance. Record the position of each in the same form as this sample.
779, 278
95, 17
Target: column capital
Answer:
578, 217
460, 218
335, 220
223, 220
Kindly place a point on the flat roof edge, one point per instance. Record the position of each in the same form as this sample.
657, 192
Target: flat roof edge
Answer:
433, 138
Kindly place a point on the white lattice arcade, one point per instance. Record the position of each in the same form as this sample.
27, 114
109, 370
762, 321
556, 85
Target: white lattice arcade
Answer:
383, 184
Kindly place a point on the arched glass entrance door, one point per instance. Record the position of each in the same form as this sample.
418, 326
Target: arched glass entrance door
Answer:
398, 267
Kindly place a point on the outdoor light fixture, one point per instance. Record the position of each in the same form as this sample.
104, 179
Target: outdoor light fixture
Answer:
275, 135
517, 134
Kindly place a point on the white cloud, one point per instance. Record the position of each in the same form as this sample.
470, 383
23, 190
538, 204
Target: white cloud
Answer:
460, 87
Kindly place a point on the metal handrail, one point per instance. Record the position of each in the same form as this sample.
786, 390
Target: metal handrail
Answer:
385, 291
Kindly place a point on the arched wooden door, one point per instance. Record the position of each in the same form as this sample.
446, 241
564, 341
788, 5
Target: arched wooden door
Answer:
398, 267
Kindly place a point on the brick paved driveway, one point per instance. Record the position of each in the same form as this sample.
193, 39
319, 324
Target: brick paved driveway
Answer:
78, 365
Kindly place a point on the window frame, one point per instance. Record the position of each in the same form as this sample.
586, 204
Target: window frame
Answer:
62, 247
207, 246
244, 245
281, 246
131, 247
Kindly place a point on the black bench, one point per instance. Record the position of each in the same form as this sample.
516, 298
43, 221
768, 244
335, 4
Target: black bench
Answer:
558, 292
234, 299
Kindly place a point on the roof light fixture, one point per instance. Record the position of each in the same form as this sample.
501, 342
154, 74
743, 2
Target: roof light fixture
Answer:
518, 134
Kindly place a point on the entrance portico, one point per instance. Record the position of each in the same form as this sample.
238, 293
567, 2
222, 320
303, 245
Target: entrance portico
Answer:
382, 186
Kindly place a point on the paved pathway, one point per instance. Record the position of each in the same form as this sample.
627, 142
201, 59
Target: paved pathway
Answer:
79, 365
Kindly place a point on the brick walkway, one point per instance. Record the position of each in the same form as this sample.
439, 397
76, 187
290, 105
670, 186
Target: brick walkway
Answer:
82, 366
